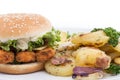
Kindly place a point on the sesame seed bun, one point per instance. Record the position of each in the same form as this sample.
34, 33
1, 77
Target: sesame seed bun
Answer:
21, 68
16, 26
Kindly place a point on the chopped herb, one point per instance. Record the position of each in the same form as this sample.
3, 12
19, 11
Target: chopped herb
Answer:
113, 69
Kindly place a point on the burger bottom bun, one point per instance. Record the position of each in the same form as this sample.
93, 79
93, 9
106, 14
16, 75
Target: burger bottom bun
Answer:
21, 68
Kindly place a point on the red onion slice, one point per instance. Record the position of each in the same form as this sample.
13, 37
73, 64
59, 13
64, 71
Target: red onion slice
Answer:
85, 71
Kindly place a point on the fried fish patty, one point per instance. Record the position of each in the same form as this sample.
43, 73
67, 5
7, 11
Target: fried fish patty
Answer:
45, 54
25, 56
6, 57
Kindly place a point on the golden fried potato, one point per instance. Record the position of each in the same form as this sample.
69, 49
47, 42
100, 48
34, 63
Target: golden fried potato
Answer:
107, 48
117, 60
6, 57
94, 39
60, 70
63, 36
113, 52
93, 57
25, 56
114, 55
117, 48
45, 54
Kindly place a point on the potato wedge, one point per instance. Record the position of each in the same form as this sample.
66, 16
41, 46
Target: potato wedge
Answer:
117, 48
107, 48
113, 55
117, 60
93, 57
94, 39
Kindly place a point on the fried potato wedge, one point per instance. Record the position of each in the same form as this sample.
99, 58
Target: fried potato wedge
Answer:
117, 60
107, 48
113, 55
117, 48
92, 57
94, 39
110, 49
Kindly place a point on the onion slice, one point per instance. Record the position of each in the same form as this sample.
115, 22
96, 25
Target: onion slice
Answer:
84, 71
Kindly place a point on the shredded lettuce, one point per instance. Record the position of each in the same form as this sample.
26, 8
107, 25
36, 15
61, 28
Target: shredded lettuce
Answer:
7, 45
49, 39
34, 44
52, 37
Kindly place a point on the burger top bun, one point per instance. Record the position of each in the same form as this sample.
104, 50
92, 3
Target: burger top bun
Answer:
16, 26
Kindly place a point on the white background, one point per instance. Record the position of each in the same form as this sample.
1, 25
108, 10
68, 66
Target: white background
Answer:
66, 14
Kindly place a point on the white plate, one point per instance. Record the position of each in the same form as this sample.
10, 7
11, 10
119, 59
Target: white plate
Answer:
45, 76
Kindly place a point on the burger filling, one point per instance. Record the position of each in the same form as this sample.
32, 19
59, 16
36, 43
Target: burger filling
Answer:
29, 49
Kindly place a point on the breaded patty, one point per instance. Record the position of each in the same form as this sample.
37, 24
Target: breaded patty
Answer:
45, 54
6, 57
25, 56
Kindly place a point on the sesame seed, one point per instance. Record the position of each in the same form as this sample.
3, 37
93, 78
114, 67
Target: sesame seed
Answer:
12, 30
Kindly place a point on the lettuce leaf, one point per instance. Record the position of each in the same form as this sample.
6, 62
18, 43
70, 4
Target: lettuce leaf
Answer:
35, 44
49, 39
7, 45
52, 37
